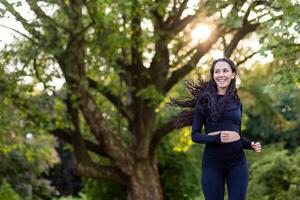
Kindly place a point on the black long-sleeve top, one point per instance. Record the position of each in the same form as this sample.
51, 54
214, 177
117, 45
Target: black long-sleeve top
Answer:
229, 120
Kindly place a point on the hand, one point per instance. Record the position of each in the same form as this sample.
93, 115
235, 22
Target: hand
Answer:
256, 146
227, 137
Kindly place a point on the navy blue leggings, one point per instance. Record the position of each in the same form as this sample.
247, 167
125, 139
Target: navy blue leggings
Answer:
224, 163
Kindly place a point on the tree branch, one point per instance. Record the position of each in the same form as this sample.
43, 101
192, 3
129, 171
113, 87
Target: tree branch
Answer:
64, 6
136, 52
240, 34
71, 65
245, 59
179, 25
224, 42
160, 63
89, 11
175, 15
66, 135
110, 96
24, 35
160, 132
112, 143
158, 18
42, 15
100, 172
80, 149
202, 49
245, 29
180, 58
29, 27
85, 166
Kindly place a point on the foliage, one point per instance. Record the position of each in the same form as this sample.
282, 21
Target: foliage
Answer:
104, 189
81, 197
7, 192
25, 175
268, 116
25, 150
282, 41
180, 171
274, 174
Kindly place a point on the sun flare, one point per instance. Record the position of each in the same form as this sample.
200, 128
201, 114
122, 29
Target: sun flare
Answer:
200, 33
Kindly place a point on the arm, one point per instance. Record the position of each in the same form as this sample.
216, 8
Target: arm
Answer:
246, 143
198, 121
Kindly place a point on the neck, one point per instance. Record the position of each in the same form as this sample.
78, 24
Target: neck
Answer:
222, 91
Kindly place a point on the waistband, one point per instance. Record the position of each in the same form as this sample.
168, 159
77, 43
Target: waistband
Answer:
223, 149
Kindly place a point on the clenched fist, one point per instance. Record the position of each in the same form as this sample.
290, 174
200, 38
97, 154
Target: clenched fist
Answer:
256, 146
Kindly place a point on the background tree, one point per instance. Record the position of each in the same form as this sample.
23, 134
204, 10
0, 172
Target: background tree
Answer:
24, 156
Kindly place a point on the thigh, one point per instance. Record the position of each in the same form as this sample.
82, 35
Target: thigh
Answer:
212, 181
237, 181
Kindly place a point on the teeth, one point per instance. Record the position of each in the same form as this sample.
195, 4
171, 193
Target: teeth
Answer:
222, 81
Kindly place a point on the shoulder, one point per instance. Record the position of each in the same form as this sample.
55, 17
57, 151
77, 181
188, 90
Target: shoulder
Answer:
236, 100
233, 104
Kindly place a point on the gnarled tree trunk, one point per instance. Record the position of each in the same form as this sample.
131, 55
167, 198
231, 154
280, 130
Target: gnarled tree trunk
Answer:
144, 182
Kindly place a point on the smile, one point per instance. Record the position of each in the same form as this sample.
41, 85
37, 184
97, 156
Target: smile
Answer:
222, 81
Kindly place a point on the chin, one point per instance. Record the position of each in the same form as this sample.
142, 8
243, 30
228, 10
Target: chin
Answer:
222, 86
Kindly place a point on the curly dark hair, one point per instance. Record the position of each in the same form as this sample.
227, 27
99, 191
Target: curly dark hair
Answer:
205, 95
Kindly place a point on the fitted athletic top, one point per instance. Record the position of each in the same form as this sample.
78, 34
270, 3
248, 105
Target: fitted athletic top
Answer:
229, 120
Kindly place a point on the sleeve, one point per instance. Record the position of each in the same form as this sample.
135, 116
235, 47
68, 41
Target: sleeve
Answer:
246, 143
198, 121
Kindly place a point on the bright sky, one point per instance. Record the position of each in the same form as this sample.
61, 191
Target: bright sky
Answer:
7, 35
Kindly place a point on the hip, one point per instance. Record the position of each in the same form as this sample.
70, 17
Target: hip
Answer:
223, 149
223, 160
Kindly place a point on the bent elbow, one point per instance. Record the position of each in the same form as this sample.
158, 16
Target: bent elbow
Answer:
194, 138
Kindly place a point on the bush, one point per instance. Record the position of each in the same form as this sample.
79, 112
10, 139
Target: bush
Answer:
275, 174
180, 172
7, 192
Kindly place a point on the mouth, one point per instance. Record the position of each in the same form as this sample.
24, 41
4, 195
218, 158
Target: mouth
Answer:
222, 81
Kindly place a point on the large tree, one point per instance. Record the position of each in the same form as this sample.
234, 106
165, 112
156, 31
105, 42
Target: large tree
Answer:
132, 52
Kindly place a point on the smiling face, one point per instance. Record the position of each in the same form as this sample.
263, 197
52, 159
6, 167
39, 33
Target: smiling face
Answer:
222, 75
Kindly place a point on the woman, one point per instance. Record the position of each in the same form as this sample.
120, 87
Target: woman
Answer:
217, 106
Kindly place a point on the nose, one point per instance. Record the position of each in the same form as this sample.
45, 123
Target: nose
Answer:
220, 74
